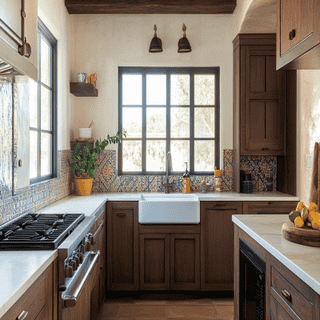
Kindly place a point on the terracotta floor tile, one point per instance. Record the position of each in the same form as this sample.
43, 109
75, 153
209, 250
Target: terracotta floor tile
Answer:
225, 311
225, 301
191, 311
141, 311
188, 302
109, 310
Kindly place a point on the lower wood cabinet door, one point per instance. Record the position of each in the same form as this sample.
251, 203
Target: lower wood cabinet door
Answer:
154, 261
122, 246
185, 262
169, 261
217, 244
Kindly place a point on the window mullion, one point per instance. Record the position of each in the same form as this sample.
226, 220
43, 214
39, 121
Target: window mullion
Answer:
39, 115
144, 121
191, 122
168, 118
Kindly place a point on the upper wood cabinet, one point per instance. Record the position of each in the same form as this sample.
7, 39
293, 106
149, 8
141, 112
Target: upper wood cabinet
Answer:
298, 32
259, 111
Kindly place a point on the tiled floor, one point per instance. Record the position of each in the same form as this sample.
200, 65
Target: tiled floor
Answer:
167, 307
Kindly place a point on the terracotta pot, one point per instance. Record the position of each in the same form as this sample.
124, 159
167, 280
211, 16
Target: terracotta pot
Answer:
83, 186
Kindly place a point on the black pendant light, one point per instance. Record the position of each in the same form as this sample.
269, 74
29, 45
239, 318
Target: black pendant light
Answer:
184, 44
156, 43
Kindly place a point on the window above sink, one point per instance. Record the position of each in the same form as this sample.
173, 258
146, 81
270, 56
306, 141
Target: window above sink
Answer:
169, 109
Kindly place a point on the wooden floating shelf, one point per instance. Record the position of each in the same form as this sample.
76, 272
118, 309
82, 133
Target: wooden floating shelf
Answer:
82, 89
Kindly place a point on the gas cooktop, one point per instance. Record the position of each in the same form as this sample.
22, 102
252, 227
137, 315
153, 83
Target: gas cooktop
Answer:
38, 231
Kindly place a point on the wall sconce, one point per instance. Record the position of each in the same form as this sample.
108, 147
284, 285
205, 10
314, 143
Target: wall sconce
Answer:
183, 44
156, 43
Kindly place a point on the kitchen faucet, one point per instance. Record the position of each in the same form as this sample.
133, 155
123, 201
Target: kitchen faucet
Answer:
168, 185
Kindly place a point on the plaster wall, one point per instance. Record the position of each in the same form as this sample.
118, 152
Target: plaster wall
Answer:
54, 15
105, 42
308, 123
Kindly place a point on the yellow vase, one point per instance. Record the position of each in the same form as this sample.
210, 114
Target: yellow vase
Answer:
83, 186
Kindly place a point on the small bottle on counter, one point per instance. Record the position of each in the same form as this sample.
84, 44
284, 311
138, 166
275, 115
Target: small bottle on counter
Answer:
186, 180
217, 179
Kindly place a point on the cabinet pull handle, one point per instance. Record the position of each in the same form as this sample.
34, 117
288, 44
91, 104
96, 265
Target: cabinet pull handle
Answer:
292, 34
265, 149
121, 214
286, 294
22, 315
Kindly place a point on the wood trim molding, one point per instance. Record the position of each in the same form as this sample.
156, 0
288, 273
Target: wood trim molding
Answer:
149, 7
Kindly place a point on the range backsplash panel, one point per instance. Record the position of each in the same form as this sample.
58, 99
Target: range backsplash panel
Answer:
6, 109
261, 168
107, 179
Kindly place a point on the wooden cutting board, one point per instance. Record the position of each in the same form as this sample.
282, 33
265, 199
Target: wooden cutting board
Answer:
305, 235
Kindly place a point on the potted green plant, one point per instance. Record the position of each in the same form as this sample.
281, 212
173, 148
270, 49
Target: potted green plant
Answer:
84, 162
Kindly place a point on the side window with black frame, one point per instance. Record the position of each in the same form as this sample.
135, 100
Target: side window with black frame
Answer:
169, 109
43, 112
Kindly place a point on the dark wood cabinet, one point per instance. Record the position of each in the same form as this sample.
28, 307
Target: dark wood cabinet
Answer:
185, 261
169, 257
262, 114
258, 105
255, 207
264, 108
122, 246
287, 296
154, 261
39, 301
217, 244
298, 32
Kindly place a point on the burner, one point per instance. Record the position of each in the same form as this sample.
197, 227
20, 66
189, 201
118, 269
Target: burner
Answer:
38, 231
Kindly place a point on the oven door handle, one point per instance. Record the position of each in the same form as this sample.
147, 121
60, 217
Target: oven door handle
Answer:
71, 300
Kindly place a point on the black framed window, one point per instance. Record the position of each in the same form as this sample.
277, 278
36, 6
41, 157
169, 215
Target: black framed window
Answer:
169, 109
43, 110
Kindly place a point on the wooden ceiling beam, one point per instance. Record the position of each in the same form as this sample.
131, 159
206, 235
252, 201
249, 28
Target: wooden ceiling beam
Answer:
150, 6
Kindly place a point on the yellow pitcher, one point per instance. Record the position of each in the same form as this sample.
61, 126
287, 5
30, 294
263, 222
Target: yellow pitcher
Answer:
92, 79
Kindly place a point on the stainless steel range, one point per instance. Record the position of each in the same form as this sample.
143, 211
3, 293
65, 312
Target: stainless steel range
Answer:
69, 233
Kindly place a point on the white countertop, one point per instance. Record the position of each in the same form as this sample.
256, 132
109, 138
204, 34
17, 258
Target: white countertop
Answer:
304, 261
19, 269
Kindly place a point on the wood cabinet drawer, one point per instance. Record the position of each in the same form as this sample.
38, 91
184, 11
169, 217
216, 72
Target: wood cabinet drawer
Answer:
291, 296
269, 207
223, 205
36, 303
277, 312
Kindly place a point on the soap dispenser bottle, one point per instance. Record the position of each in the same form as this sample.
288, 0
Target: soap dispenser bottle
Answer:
186, 180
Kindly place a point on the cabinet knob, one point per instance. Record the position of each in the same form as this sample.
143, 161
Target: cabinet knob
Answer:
265, 149
20, 163
286, 294
292, 34
22, 315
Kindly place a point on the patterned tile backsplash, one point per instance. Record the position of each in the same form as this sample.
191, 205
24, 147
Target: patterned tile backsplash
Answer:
261, 168
107, 180
39, 195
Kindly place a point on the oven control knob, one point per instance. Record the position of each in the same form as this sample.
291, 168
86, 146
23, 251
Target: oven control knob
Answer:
81, 257
88, 245
82, 249
69, 271
76, 258
74, 264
